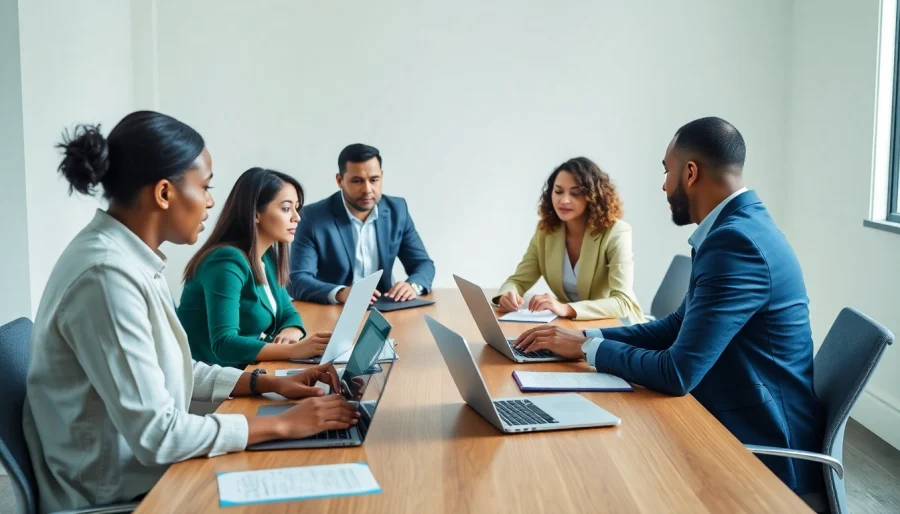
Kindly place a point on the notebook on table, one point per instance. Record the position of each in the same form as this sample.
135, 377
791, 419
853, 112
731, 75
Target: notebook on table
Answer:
570, 381
387, 305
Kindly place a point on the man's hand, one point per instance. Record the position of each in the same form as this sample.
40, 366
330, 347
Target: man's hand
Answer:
562, 342
344, 293
401, 292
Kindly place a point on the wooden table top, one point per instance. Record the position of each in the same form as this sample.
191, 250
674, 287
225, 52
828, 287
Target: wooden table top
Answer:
431, 453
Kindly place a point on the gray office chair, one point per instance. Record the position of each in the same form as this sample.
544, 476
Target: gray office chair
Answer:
672, 289
842, 367
14, 456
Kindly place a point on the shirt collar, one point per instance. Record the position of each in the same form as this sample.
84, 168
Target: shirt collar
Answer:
705, 226
155, 261
373, 215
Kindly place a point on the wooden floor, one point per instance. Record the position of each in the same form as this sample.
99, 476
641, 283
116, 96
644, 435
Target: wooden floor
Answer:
873, 472
873, 475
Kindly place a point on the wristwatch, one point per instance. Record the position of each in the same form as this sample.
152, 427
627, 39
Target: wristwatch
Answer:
418, 289
253, 376
587, 341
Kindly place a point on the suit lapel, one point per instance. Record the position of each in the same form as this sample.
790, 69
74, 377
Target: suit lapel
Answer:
342, 223
555, 245
383, 227
590, 248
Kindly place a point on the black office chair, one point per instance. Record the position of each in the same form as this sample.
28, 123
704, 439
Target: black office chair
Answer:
842, 367
14, 337
672, 289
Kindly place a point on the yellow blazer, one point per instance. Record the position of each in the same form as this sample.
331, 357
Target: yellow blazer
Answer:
605, 277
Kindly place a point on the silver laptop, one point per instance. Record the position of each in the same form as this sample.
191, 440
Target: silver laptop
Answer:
348, 322
510, 415
490, 328
362, 383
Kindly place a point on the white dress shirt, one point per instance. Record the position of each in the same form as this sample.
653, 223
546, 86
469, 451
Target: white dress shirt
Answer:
110, 377
365, 261
570, 278
697, 237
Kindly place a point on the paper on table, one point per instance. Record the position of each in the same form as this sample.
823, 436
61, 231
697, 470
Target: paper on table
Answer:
526, 316
569, 381
301, 483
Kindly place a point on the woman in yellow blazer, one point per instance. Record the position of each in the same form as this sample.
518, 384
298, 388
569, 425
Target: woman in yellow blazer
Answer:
581, 247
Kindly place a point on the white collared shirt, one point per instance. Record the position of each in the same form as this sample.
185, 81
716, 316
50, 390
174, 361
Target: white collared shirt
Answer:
365, 240
110, 376
705, 226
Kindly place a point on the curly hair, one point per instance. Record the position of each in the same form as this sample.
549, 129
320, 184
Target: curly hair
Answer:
604, 206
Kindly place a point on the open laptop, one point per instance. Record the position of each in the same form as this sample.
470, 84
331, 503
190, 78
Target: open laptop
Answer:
490, 328
348, 322
362, 384
510, 415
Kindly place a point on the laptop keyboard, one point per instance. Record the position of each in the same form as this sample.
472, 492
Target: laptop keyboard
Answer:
331, 435
531, 355
522, 412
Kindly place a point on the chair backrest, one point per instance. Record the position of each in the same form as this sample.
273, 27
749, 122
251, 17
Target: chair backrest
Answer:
673, 287
14, 338
842, 367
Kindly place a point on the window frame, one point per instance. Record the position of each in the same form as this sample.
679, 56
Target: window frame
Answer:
893, 206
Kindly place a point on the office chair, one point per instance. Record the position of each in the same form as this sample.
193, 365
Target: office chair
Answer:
842, 367
14, 337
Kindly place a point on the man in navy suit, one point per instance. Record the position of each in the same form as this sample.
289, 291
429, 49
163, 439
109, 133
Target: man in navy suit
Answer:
741, 341
355, 232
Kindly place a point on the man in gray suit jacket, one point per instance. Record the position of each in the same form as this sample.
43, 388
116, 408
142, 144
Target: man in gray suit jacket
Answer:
354, 233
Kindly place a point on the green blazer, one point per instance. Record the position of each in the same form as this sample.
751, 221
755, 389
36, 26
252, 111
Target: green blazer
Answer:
224, 311
605, 277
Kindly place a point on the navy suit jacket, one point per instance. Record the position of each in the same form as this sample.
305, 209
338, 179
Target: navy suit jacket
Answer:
322, 254
741, 341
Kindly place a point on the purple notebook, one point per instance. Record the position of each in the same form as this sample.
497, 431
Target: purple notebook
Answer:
570, 381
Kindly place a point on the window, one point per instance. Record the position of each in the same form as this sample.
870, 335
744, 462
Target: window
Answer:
893, 197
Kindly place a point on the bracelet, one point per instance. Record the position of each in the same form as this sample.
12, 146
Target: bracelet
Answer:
253, 376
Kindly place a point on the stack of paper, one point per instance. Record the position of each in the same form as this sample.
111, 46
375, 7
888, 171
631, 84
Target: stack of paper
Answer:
302, 483
526, 316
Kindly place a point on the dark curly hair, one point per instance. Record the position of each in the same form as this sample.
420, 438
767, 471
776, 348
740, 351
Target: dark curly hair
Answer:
604, 206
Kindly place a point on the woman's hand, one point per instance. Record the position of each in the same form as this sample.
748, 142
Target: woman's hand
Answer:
510, 302
314, 415
288, 336
303, 384
547, 302
312, 346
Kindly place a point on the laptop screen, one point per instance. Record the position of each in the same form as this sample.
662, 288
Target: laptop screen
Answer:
364, 378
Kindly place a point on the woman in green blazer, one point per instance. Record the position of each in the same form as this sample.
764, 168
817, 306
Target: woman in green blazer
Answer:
234, 306
581, 247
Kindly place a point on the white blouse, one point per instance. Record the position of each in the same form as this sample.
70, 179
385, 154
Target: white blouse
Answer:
570, 277
110, 376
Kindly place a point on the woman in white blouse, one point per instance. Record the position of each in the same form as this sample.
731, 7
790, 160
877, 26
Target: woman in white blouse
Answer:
110, 374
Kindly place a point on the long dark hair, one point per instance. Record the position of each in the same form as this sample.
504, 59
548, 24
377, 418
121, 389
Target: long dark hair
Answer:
142, 149
252, 193
604, 206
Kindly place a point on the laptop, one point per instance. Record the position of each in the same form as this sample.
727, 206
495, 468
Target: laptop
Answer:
362, 383
490, 328
511, 415
348, 322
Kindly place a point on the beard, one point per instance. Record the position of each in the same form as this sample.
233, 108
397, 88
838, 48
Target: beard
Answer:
680, 207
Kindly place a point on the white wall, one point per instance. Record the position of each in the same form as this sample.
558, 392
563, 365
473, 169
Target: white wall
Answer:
832, 117
76, 68
16, 298
474, 103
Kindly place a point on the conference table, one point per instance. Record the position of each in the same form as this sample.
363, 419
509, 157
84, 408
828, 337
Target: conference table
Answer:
430, 453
